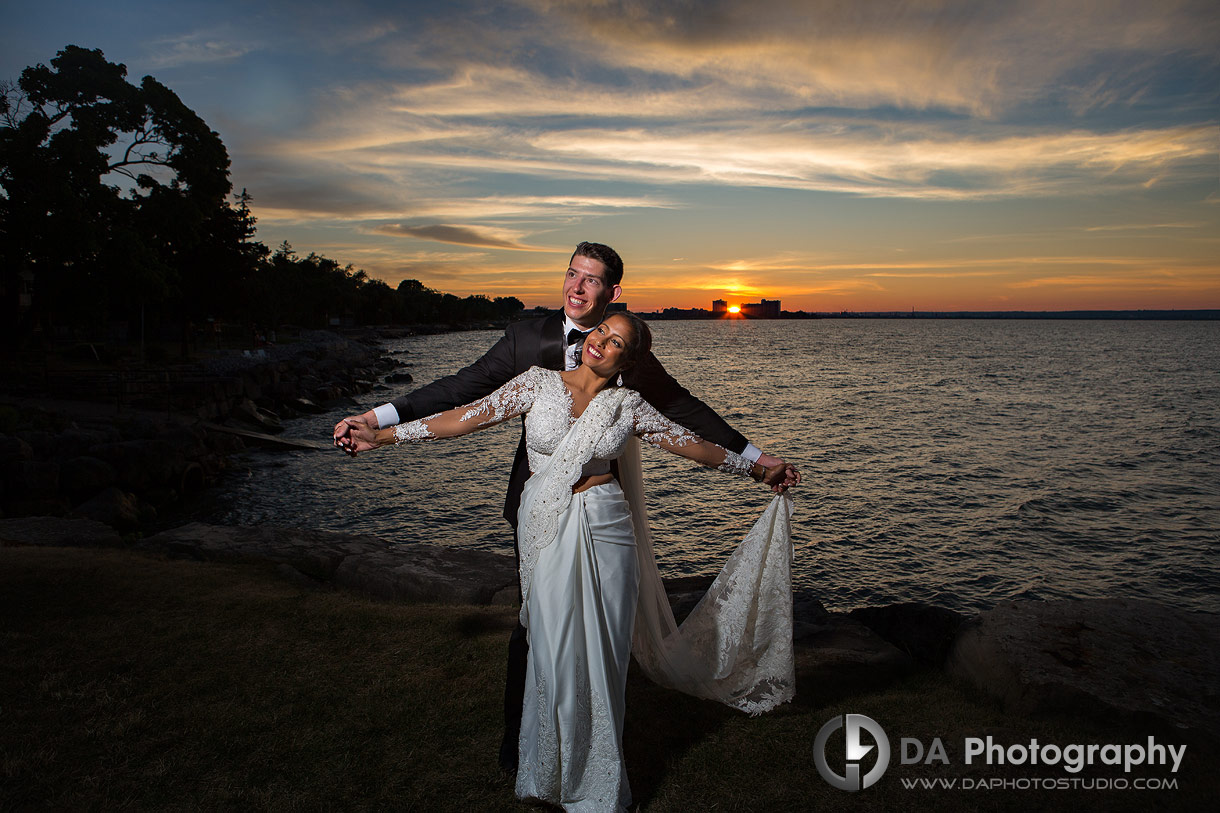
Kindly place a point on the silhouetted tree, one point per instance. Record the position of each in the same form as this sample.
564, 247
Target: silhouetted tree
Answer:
116, 204
507, 306
219, 277
418, 302
70, 135
377, 304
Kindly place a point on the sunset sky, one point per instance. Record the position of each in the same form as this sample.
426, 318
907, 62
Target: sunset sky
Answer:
836, 155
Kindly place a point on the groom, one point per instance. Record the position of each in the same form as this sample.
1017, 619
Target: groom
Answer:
591, 282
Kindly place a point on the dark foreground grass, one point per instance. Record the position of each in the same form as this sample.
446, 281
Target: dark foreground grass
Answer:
128, 681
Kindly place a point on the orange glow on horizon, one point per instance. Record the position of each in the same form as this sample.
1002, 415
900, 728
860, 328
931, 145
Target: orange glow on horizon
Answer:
1070, 282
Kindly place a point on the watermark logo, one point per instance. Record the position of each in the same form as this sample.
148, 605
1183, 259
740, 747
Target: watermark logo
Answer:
850, 779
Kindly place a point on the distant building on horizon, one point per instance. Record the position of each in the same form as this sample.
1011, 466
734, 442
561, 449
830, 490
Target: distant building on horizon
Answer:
767, 309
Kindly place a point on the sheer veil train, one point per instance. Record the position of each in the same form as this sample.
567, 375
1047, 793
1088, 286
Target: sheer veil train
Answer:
736, 645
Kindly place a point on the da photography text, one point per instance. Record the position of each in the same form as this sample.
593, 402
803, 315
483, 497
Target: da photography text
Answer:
867, 755
1074, 758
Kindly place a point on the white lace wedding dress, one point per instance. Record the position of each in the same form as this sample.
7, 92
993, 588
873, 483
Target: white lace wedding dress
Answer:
592, 595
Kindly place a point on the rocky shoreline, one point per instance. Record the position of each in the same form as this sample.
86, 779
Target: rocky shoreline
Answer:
1150, 666
125, 459
80, 473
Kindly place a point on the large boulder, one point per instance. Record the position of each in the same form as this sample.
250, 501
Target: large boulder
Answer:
923, 631
40, 440
1135, 659
302, 404
33, 478
362, 564
113, 506
75, 441
85, 475
317, 554
247, 413
432, 574
143, 464
57, 531
14, 449
684, 592
842, 652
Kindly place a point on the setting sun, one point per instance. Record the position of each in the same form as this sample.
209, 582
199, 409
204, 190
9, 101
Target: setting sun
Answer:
734, 309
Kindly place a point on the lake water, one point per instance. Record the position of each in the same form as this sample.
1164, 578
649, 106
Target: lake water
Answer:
956, 462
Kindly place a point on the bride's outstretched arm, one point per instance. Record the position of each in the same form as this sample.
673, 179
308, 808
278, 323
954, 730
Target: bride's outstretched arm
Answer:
513, 399
663, 433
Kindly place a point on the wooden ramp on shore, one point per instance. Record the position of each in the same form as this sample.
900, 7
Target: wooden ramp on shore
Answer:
270, 441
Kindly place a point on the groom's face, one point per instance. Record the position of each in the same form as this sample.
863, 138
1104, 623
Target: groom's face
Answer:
586, 293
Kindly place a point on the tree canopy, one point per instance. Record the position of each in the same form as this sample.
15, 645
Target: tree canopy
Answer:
72, 134
117, 201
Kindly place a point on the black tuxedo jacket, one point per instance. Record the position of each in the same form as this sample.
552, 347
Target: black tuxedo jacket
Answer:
541, 342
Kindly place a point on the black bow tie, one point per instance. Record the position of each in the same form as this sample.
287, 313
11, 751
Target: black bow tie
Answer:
575, 335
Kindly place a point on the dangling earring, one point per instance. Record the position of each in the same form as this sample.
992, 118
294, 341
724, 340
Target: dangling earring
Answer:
620, 379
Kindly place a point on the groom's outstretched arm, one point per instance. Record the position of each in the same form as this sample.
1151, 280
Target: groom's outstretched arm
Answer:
494, 369
675, 402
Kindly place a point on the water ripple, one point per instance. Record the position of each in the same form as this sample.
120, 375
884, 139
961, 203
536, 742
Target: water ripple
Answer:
955, 462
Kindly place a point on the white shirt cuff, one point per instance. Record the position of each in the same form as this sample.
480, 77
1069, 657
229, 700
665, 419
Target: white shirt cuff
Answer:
752, 453
387, 415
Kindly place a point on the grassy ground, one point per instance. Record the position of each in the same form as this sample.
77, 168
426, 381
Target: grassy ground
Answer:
128, 681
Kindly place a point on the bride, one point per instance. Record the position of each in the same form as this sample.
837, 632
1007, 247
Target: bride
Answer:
591, 593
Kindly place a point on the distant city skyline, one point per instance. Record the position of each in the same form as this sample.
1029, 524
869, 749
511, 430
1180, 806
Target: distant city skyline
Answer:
773, 309
875, 156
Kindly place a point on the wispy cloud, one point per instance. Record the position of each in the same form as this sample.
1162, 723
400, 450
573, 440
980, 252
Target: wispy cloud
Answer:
958, 54
504, 208
498, 120
458, 235
872, 159
1134, 227
923, 164
1032, 143
1146, 281
194, 49
341, 201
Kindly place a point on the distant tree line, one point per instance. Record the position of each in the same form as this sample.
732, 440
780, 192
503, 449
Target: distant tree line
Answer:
324, 291
175, 247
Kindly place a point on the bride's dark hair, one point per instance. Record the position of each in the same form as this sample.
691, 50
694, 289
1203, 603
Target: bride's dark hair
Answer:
641, 341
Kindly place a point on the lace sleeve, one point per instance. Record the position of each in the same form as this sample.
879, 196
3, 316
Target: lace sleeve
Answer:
513, 399
663, 433
414, 431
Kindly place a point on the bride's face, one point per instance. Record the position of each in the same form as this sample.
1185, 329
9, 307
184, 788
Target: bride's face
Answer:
606, 347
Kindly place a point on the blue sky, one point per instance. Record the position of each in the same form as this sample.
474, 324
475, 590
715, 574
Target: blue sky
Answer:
938, 155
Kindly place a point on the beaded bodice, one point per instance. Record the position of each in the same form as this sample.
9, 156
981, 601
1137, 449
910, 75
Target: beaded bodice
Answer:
543, 398
551, 417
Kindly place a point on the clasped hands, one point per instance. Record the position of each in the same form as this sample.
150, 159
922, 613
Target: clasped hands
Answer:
356, 434
777, 474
